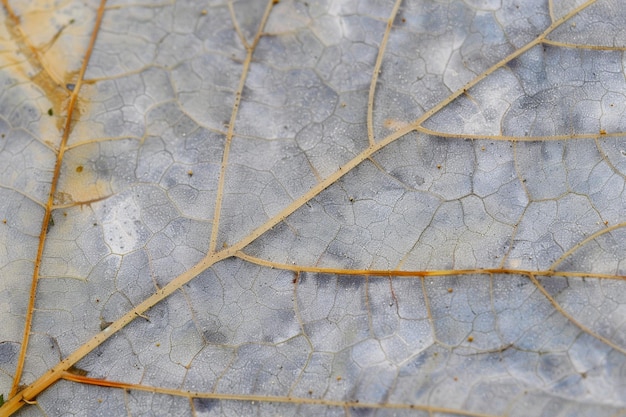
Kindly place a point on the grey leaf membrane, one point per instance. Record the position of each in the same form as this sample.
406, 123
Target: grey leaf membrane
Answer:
309, 208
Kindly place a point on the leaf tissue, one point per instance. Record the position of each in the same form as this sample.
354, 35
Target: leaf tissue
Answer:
313, 208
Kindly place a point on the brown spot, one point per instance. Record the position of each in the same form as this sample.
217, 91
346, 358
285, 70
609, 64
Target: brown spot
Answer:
393, 124
450, 290
63, 198
78, 184
470, 339
602, 132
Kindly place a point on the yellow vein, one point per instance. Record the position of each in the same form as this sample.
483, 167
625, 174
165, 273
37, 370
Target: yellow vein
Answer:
433, 328
261, 398
424, 273
571, 318
50, 205
51, 376
501, 64
584, 242
572, 136
231, 125
233, 18
606, 159
379, 62
581, 46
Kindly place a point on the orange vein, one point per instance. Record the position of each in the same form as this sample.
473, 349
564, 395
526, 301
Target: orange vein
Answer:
50, 205
275, 399
231, 124
379, 62
423, 273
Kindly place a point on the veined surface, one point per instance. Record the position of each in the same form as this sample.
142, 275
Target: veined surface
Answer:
313, 208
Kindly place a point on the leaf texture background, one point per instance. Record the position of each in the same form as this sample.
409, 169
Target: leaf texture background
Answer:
328, 208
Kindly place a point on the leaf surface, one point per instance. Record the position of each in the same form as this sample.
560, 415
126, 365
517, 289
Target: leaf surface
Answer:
313, 208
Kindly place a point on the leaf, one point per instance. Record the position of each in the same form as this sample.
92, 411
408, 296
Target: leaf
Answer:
313, 208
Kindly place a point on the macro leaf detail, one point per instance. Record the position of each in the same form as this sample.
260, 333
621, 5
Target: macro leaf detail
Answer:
313, 208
